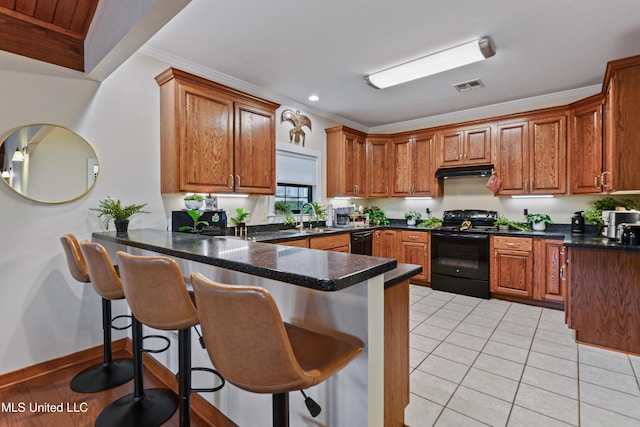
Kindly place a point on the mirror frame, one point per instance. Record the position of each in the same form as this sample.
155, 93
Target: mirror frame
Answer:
11, 132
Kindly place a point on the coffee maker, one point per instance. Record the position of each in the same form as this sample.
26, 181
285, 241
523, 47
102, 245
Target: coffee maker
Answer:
577, 223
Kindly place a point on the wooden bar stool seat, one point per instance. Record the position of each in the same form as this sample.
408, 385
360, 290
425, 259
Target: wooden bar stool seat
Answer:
110, 373
142, 408
157, 295
253, 348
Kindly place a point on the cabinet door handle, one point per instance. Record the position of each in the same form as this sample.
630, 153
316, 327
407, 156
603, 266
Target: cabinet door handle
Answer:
595, 181
526, 186
465, 157
424, 250
238, 181
602, 180
512, 244
562, 273
386, 189
232, 182
414, 237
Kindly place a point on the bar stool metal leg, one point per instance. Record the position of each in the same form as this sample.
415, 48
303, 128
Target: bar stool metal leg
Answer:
143, 408
110, 373
184, 383
280, 406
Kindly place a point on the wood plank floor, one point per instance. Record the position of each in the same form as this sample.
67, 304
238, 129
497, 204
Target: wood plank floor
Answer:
53, 388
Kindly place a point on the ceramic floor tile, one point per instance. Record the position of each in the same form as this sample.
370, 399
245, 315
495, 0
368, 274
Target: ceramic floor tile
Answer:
512, 339
564, 338
480, 406
635, 363
498, 366
466, 300
547, 403
413, 324
526, 310
466, 341
441, 322
485, 322
514, 328
610, 400
450, 418
475, 330
610, 360
463, 308
491, 384
422, 343
555, 316
523, 417
456, 353
506, 351
421, 412
488, 312
419, 290
430, 387
520, 319
416, 357
444, 368
546, 362
569, 351
414, 298
418, 316
431, 331
592, 416
440, 295
450, 314
550, 381
421, 307
610, 379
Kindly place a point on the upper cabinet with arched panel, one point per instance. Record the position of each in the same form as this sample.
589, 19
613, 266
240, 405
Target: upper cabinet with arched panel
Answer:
48, 163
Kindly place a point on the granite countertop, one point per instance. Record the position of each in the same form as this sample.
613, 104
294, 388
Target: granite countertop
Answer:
591, 241
315, 269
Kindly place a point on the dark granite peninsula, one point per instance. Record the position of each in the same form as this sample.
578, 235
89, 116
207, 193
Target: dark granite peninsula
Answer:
366, 297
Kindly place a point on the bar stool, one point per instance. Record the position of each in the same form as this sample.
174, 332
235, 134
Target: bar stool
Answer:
110, 373
158, 297
142, 408
253, 348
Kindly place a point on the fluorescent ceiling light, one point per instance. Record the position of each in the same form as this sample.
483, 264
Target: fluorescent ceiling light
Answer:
314, 98
232, 195
532, 196
455, 57
418, 198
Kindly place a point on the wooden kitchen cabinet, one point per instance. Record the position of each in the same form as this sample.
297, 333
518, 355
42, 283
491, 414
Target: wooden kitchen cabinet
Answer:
214, 139
415, 248
464, 146
377, 166
547, 282
385, 243
621, 125
332, 242
531, 154
299, 243
585, 146
412, 172
512, 269
346, 162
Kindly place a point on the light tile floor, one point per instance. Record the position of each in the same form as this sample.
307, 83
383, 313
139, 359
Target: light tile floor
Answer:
477, 362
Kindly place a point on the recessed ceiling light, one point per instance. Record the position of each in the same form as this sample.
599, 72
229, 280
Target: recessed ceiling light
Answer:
314, 98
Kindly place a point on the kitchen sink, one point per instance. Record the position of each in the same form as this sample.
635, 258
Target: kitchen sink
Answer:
305, 231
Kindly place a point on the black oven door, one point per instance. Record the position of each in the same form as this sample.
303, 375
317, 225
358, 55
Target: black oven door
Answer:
460, 262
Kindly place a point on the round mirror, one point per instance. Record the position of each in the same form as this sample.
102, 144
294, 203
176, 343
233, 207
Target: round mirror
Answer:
48, 163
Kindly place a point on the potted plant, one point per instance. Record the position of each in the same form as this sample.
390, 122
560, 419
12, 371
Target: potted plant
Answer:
281, 208
412, 216
210, 202
502, 223
319, 211
241, 216
195, 216
193, 201
376, 216
110, 209
539, 221
432, 222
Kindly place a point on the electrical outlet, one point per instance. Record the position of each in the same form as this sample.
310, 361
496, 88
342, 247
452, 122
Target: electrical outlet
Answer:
526, 212
428, 211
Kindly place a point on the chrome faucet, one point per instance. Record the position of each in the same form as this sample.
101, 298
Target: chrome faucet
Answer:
301, 225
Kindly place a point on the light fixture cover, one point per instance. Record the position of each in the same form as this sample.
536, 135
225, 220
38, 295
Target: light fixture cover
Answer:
18, 156
455, 57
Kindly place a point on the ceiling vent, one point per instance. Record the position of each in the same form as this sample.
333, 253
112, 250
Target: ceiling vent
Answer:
467, 86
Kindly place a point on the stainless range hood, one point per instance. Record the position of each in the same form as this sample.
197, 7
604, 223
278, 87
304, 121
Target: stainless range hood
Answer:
465, 171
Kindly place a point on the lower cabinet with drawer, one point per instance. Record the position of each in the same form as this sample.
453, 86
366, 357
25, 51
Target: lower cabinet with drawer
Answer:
415, 249
333, 242
512, 268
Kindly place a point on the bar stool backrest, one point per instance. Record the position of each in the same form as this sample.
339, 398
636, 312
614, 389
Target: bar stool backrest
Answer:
156, 291
75, 260
246, 338
103, 274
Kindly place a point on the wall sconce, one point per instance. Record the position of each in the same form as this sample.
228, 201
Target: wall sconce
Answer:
448, 59
19, 155
6, 173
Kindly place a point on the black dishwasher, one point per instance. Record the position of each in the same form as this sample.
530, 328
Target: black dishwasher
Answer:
362, 242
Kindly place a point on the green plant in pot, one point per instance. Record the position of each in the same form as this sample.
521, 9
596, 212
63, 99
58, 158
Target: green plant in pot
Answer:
376, 216
110, 209
195, 216
431, 222
539, 221
412, 217
193, 201
241, 216
594, 216
281, 207
319, 211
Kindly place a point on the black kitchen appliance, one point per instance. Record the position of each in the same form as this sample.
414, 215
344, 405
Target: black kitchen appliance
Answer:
342, 217
630, 234
577, 223
460, 252
216, 222
362, 242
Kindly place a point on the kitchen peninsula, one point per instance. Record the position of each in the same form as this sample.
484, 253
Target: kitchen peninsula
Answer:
366, 297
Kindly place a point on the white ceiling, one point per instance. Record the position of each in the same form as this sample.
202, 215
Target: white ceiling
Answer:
294, 48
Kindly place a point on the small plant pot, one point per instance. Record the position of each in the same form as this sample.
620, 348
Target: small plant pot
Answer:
193, 204
411, 222
539, 226
122, 225
503, 227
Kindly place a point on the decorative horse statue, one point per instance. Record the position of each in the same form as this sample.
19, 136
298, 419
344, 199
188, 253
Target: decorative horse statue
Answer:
298, 120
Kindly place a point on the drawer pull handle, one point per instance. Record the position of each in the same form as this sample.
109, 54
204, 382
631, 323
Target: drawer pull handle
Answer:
514, 244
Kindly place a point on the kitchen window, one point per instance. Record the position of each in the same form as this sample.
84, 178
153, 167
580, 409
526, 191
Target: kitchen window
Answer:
295, 195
